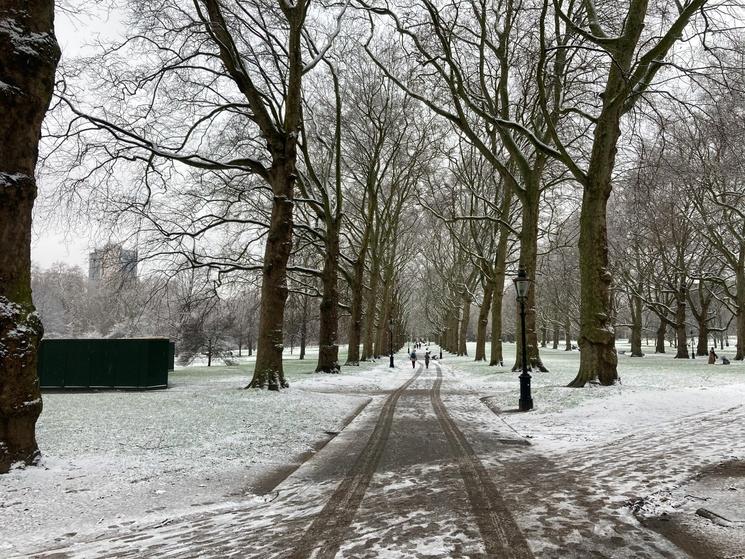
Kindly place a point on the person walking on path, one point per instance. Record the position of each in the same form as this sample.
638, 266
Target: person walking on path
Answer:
426, 359
712, 357
413, 359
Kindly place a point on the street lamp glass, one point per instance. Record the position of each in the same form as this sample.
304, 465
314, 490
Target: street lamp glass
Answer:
521, 283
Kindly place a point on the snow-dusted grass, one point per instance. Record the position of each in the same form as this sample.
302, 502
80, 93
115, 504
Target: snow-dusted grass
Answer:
110, 456
290, 358
599, 449
655, 388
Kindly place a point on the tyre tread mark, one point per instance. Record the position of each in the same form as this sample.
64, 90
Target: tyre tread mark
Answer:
501, 535
326, 532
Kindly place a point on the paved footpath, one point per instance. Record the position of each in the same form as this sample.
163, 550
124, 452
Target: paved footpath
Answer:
422, 473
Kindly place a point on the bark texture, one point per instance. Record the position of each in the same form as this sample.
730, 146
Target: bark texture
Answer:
483, 321
28, 60
355, 319
496, 357
304, 329
281, 133
635, 65
465, 319
328, 348
680, 323
371, 311
454, 331
381, 340
702, 348
740, 317
268, 372
598, 359
659, 339
636, 326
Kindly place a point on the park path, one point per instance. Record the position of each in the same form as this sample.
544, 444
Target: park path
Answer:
401, 481
428, 471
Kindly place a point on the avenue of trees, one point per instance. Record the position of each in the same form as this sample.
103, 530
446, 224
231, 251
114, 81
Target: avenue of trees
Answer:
295, 170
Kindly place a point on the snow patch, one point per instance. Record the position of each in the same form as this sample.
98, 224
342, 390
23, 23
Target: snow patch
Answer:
24, 42
110, 457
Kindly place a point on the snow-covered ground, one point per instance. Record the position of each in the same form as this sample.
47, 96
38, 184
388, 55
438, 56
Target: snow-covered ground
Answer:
653, 389
114, 458
610, 450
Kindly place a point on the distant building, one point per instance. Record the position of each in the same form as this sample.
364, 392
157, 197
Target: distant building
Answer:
113, 264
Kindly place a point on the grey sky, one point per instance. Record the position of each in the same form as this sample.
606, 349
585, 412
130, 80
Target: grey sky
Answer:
52, 244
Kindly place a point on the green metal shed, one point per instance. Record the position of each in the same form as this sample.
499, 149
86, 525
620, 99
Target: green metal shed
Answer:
104, 363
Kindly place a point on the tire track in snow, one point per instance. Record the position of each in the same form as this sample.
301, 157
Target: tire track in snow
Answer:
329, 529
501, 534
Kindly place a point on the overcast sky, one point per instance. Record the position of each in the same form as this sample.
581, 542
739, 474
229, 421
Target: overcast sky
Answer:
50, 245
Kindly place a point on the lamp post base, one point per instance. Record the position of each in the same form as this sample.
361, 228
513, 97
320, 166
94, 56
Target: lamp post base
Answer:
526, 400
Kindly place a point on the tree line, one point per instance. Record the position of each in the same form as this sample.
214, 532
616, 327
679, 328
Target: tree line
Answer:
339, 150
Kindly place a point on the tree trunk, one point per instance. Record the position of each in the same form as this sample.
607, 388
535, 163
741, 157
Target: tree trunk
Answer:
382, 340
567, 335
454, 331
250, 344
598, 359
702, 348
636, 326
556, 336
659, 341
328, 348
385, 311
544, 335
483, 321
496, 357
28, 59
465, 319
371, 312
268, 371
355, 319
740, 313
680, 323
209, 352
528, 260
303, 329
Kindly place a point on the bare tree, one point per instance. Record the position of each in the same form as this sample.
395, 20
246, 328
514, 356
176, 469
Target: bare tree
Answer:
240, 66
473, 75
28, 57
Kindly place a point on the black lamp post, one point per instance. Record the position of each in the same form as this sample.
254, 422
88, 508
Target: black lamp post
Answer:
522, 284
693, 351
390, 347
